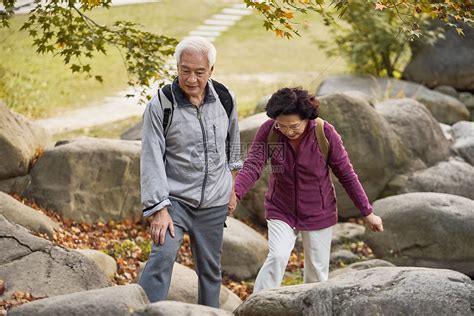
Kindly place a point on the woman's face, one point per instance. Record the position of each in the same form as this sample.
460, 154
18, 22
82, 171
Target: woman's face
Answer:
291, 125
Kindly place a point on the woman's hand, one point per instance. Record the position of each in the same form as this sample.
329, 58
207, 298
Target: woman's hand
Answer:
232, 203
374, 222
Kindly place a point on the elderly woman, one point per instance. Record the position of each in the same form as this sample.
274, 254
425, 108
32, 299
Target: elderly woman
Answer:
301, 195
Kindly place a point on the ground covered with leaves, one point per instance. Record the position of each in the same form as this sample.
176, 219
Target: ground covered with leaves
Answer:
129, 244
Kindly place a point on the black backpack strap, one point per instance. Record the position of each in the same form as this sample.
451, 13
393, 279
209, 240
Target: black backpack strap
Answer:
224, 96
228, 103
167, 110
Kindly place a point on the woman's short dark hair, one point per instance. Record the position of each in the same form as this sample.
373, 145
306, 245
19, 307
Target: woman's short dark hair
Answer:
289, 101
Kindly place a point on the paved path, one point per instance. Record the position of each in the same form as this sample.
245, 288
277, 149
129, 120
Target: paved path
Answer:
119, 107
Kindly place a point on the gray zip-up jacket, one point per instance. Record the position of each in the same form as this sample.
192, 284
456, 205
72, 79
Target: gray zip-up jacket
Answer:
190, 163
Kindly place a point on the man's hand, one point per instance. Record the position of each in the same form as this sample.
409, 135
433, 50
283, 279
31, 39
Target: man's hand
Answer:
160, 223
232, 203
374, 222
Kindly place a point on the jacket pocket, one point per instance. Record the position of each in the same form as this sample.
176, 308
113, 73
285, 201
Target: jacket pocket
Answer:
273, 190
321, 196
214, 128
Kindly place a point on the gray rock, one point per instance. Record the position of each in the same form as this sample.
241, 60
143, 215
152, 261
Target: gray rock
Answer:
32, 264
444, 108
464, 140
425, 229
343, 255
134, 132
452, 177
18, 213
170, 308
467, 99
244, 250
19, 140
361, 265
116, 300
448, 90
89, 179
262, 104
184, 288
346, 232
106, 263
417, 128
447, 131
434, 65
15, 185
376, 291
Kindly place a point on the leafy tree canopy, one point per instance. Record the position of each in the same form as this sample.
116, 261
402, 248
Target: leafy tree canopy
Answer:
63, 28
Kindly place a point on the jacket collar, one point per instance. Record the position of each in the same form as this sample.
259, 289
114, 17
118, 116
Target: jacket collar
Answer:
183, 100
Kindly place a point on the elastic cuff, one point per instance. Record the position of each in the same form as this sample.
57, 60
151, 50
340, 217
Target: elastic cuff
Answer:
156, 208
366, 212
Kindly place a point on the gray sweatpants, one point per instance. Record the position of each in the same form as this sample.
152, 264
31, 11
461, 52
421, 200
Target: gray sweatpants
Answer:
205, 228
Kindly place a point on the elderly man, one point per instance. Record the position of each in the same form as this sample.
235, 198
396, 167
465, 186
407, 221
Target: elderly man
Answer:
189, 152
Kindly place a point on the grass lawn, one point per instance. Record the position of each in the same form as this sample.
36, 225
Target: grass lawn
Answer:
41, 86
255, 63
251, 61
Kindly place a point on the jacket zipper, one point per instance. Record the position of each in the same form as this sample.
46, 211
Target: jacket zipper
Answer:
295, 157
215, 137
198, 109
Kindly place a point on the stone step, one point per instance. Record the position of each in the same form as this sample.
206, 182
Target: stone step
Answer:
237, 11
219, 22
220, 28
205, 33
226, 17
240, 6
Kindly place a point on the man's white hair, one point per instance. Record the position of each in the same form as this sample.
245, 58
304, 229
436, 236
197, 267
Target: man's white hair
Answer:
196, 44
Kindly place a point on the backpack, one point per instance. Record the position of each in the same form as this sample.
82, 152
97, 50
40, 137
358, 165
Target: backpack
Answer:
321, 139
168, 107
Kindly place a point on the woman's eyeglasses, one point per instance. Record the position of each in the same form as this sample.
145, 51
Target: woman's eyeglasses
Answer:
293, 127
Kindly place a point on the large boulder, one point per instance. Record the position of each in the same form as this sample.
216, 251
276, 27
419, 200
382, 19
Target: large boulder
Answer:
15, 185
184, 288
342, 232
20, 140
134, 132
463, 133
18, 213
361, 265
376, 152
417, 128
376, 291
170, 308
426, 229
244, 250
116, 300
106, 263
262, 104
444, 108
435, 64
32, 264
452, 177
89, 179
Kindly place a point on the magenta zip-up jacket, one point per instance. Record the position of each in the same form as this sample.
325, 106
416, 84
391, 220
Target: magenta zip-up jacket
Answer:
300, 190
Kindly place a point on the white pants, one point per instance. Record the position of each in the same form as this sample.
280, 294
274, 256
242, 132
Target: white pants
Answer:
281, 240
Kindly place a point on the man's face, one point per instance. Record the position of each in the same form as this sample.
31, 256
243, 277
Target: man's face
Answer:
193, 73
